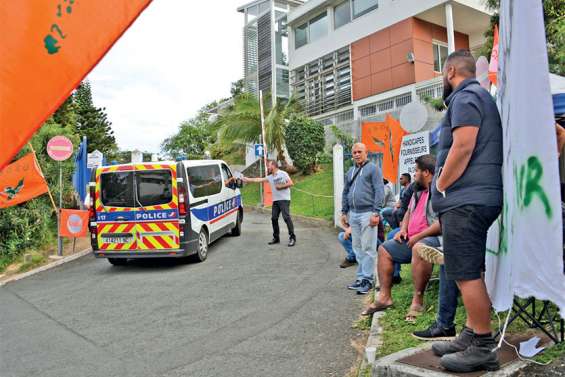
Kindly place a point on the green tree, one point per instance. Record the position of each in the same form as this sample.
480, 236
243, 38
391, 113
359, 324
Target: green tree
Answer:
190, 141
237, 88
66, 114
554, 17
242, 122
93, 122
306, 141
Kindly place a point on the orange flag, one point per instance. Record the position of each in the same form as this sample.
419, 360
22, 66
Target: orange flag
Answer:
493, 65
74, 223
21, 181
48, 48
386, 138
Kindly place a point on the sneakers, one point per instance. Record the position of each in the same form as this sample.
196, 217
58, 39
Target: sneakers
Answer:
431, 254
480, 355
347, 263
274, 241
365, 287
464, 340
355, 286
435, 332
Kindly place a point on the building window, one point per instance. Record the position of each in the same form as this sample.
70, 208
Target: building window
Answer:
342, 14
360, 7
440, 54
301, 35
318, 27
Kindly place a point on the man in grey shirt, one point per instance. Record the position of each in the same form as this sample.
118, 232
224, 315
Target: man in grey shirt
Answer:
280, 187
362, 201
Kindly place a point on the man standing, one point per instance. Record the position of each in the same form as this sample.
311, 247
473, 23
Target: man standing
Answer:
467, 194
362, 200
280, 187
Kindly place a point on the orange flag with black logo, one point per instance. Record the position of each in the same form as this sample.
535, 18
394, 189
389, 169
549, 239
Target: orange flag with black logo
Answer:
47, 49
74, 223
21, 181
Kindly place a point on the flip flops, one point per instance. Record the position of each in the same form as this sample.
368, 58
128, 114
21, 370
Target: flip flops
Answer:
375, 307
414, 312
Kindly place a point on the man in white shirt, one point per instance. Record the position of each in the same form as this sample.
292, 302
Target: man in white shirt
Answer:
280, 187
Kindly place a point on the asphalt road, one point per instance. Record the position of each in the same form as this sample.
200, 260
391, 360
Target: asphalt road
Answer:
249, 310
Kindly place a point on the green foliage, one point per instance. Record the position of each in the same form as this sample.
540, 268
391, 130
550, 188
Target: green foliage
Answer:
93, 122
306, 140
241, 123
554, 17
237, 88
343, 138
191, 140
436, 103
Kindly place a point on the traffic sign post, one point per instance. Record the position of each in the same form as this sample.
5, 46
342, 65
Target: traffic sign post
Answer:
59, 148
259, 150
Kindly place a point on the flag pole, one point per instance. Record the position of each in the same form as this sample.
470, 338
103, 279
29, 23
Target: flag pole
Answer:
264, 144
41, 171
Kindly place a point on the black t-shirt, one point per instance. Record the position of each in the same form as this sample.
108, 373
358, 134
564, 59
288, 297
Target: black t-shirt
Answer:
481, 182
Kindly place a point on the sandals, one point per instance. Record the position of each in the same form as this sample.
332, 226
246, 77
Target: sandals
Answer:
414, 312
375, 307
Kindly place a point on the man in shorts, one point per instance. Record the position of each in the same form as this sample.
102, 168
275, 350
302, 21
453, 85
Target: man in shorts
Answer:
467, 194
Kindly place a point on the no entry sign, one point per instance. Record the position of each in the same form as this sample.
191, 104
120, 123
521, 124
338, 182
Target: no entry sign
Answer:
59, 148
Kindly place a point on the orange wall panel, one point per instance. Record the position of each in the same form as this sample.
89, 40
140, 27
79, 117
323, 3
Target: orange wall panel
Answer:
422, 30
362, 68
399, 52
362, 87
360, 48
380, 40
403, 75
401, 31
381, 81
380, 61
423, 51
424, 71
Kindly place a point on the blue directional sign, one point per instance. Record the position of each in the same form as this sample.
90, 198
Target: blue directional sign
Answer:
259, 150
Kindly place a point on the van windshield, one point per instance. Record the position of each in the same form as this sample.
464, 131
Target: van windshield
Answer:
154, 187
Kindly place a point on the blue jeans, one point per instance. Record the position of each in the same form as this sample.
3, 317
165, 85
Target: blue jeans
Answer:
347, 245
447, 306
365, 240
390, 236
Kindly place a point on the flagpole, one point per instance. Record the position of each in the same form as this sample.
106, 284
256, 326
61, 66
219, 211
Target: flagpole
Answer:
264, 144
41, 171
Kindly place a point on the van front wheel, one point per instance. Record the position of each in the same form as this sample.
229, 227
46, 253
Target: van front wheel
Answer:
202, 252
236, 231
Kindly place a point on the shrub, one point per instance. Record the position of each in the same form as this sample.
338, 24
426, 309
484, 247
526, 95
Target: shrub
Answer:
305, 140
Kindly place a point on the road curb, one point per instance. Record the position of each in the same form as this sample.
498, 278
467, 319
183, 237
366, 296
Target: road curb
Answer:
374, 340
46, 267
306, 219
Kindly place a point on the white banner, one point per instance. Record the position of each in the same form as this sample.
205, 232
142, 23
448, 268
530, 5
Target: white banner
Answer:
413, 146
525, 247
95, 159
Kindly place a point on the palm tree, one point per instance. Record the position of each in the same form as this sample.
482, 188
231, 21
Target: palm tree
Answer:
242, 122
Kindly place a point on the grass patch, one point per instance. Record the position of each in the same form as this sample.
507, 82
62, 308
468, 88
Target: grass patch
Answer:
397, 333
319, 183
37, 259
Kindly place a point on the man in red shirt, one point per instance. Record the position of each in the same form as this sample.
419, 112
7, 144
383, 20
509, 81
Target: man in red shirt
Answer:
419, 225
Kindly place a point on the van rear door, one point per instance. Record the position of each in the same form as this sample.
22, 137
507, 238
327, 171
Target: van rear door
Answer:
156, 216
115, 208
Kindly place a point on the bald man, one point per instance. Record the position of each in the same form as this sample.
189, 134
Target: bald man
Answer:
467, 194
362, 201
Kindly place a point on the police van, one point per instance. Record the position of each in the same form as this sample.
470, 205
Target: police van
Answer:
162, 209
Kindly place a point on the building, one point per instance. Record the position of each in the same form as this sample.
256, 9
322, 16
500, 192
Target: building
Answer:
354, 60
265, 49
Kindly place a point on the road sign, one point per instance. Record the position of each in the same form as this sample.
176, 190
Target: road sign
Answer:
259, 150
59, 148
95, 159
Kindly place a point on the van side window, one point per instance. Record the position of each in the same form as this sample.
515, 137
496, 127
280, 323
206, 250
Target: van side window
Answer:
204, 180
117, 189
154, 187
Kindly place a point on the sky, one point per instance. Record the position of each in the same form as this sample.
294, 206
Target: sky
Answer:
178, 56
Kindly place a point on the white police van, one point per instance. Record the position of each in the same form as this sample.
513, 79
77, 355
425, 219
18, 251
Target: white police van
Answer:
163, 209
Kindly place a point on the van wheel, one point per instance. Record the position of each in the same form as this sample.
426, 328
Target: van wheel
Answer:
202, 252
236, 231
118, 261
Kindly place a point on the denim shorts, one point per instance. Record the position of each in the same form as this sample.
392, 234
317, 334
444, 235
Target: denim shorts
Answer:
401, 253
464, 232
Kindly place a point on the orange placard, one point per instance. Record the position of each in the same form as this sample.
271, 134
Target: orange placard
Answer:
48, 48
21, 181
493, 66
386, 138
74, 223
267, 195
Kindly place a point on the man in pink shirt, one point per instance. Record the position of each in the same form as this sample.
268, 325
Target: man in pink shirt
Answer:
420, 225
